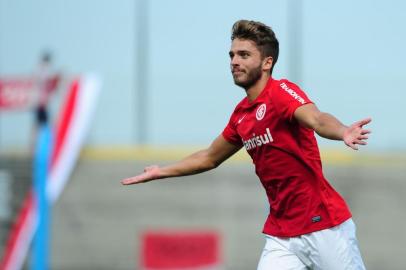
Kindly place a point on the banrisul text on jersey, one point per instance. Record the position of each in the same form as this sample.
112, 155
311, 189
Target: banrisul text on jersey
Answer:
259, 140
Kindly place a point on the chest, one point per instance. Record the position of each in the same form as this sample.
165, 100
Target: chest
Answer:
257, 125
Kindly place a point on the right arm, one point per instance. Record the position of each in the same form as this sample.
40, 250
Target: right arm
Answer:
329, 127
198, 162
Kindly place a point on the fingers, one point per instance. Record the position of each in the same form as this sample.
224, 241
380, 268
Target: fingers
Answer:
360, 142
363, 137
127, 181
354, 144
150, 173
133, 180
363, 122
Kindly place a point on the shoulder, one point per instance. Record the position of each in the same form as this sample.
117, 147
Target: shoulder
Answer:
284, 88
240, 105
284, 85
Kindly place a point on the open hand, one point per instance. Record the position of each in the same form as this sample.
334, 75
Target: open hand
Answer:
356, 135
150, 173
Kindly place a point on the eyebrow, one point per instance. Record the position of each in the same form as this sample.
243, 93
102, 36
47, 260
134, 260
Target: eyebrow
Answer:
239, 52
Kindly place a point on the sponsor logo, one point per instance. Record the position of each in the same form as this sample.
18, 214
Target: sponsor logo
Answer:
261, 112
240, 120
257, 141
292, 93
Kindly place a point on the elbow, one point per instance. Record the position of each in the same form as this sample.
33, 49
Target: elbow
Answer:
206, 162
316, 123
212, 164
216, 164
312, 121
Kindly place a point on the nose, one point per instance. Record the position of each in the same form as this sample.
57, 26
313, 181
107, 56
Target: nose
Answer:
234, 61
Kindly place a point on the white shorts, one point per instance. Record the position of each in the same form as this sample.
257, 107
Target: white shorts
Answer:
331, 249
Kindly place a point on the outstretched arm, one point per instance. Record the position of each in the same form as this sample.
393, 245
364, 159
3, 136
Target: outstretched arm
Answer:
198, 162
329, 127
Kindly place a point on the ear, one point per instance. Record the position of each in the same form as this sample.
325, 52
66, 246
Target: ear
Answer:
267, 63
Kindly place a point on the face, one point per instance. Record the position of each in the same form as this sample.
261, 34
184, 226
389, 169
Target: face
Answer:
247, 65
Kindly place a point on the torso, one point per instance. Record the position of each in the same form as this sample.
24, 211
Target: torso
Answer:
287, 161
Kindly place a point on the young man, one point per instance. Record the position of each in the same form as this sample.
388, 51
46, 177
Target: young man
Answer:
309, 225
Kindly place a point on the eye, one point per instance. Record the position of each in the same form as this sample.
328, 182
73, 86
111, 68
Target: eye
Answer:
244, 55
231, 54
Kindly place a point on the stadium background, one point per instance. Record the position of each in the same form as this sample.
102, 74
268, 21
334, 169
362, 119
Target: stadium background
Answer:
167, 89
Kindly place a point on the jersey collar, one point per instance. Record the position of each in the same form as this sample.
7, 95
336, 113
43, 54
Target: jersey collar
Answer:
259, 99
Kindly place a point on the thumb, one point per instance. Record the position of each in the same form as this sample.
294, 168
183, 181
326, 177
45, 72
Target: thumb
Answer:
363, 122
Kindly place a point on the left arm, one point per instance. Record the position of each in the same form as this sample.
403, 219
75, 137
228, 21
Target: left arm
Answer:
329, 127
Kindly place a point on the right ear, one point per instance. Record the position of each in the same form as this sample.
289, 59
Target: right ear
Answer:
267, 63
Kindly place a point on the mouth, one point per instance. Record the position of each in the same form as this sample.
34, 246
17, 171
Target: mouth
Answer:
237, 72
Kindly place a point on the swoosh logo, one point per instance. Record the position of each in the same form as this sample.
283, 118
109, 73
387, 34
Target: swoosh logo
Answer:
240, 120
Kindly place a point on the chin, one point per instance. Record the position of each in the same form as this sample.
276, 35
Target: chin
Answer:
242, 84
240, 81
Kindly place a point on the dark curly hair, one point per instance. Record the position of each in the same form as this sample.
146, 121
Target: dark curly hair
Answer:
263, 36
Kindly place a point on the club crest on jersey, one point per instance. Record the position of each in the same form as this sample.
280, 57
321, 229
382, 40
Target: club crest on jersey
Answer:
261, 111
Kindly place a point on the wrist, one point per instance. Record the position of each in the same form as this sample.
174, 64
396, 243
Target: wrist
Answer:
343, 132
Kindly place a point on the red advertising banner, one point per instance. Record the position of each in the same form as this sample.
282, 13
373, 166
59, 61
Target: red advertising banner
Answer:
180, 250
16, 93
22, 93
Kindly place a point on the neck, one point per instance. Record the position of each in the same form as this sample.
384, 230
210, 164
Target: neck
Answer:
254, 91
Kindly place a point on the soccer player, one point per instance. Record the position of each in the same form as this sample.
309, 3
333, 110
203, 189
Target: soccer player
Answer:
309, 225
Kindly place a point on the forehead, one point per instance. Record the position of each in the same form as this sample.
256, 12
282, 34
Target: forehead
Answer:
243, 45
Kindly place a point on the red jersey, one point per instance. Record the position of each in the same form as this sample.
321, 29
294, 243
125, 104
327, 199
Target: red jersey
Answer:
287, 161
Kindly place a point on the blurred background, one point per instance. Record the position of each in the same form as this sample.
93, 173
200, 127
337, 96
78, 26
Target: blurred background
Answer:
167, 90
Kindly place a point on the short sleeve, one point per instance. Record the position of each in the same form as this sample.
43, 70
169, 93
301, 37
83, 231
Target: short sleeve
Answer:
230, 132
287, 97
